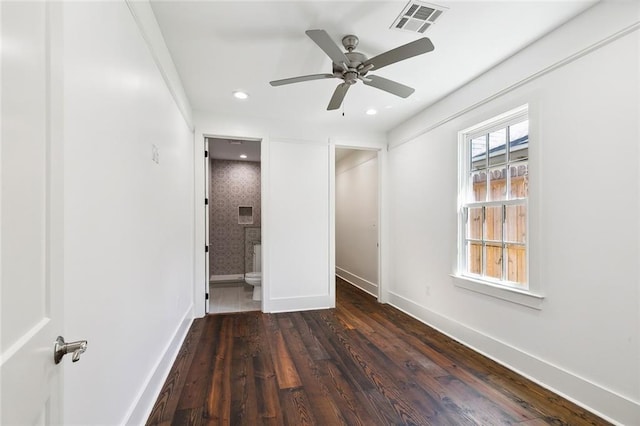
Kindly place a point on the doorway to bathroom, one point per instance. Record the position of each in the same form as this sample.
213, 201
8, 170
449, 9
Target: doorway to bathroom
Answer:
357, 213
234, 225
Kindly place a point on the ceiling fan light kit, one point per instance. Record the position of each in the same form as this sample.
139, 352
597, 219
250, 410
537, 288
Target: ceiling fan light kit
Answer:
352, 66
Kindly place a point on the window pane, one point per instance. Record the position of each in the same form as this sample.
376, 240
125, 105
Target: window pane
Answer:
516, 224
498, 147
494, 262
479, 153
519, 141
496, 172
517, 264
498, 184
478, 186
493, 223
519, 174
474, 258
474, 227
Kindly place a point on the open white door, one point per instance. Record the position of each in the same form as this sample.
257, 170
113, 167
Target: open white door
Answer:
31, 213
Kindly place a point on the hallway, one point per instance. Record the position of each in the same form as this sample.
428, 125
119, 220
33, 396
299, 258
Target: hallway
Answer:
361, 363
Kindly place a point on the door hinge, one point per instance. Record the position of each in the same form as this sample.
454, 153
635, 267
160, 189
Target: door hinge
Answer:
206, 296
206, 154
206, 201
206, 249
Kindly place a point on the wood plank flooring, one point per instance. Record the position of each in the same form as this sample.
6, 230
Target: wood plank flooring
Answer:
362, 363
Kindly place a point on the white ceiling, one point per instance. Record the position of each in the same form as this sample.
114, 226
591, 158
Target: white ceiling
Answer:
222, 46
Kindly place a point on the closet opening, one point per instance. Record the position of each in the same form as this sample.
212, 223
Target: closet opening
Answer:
357, 212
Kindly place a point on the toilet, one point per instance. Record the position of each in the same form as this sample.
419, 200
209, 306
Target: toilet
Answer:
254, 278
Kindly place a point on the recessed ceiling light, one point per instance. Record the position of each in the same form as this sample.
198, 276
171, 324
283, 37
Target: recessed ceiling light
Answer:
371, 111
243, 155
240, 95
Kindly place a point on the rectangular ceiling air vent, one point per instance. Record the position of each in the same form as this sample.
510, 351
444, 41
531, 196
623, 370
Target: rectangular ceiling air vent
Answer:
418, 16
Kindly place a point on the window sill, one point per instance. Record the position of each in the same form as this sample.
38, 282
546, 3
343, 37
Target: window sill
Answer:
513, 295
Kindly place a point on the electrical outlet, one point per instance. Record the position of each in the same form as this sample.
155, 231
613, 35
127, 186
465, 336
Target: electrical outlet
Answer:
427, 290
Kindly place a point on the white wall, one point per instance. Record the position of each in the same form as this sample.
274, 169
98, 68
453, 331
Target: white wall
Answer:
297, 204
128, 220
357, 219
297, 247
584, 213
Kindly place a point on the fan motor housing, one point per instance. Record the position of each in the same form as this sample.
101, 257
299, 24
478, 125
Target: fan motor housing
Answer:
355, 59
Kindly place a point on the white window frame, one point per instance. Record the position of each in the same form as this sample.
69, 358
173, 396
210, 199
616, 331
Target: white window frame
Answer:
480, 284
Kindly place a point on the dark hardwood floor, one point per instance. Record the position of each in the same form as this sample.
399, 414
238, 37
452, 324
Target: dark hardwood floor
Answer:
362, 363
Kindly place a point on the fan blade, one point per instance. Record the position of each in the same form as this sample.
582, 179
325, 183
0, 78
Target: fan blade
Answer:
324, 42
401, 53
338, 96
300, 79
389, 86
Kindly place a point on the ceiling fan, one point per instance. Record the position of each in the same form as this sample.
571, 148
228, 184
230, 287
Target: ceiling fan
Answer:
352, 66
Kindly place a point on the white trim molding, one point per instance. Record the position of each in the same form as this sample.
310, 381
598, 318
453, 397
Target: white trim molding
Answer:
152, 35
358, 281
607, 404
139, 411
295, 304
514, 295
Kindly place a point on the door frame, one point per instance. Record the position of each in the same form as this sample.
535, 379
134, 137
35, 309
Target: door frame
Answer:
207, 177
382, 295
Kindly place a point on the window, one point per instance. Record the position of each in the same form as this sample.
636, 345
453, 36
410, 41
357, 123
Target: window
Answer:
493, 197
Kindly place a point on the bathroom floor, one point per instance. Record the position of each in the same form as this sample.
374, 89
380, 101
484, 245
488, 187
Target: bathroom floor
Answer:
232, 297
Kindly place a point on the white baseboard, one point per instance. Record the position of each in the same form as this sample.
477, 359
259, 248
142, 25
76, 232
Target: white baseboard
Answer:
231, 277
293, 304
609, 405
361, 283
143, 404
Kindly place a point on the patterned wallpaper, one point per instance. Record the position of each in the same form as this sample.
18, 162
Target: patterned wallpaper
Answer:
233, 184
